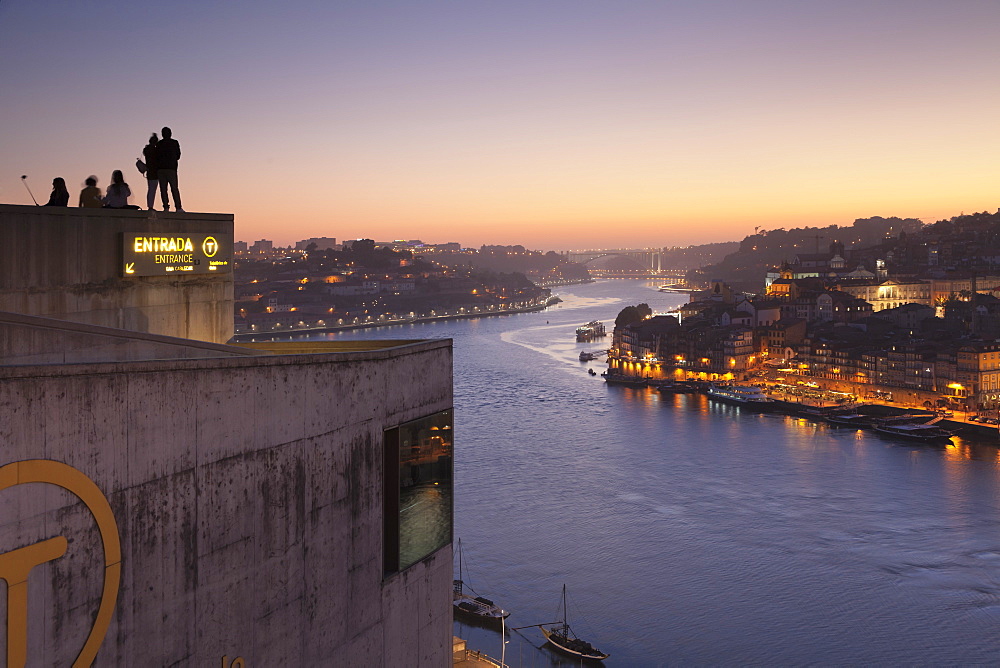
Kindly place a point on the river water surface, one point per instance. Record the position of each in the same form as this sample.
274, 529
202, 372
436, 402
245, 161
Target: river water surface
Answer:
691, 534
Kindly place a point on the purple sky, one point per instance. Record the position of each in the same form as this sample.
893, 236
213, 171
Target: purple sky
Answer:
555, 124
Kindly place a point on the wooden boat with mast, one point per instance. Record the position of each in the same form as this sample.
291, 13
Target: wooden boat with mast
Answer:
473, 606
563, 639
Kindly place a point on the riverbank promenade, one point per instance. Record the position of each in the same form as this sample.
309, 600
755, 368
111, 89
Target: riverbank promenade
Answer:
242, 333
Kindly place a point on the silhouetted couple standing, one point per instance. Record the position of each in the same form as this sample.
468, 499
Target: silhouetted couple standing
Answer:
161, 158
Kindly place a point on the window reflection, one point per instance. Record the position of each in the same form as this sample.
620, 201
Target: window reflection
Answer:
421, 451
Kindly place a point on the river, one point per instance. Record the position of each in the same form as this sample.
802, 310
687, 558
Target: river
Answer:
689, 533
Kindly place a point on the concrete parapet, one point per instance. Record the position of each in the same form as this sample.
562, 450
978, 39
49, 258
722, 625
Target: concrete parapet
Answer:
247, 487
65, 263
26, 339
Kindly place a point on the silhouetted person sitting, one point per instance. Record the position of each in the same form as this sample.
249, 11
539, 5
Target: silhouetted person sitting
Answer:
118, 193
168, 152
90, 197
152, 171
59, 196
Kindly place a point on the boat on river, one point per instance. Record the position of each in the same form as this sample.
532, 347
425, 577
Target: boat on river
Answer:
586, 357
749, 396
592, 330
472, 605
850, 420
614, 378
927, 432
561, 636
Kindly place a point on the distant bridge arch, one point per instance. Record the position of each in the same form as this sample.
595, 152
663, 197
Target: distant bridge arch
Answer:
650, 259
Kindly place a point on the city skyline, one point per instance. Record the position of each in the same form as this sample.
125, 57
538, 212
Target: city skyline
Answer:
633, 125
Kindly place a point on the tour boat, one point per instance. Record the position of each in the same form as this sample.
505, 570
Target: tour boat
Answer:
917, 432
853, 420
563, 639
475, 607
741, 395
592, 330
586, 357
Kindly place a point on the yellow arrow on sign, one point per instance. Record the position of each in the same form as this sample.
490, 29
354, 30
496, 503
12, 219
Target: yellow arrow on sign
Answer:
130, 267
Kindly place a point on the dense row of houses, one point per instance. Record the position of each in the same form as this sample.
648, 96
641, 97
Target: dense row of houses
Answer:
809, 328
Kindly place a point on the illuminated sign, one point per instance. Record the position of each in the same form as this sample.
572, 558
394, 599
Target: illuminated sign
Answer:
175, 253
17, 564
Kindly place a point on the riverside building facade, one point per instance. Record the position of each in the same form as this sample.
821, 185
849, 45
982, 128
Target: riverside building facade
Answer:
166, 500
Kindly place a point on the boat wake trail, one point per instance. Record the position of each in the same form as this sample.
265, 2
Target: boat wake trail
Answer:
573, 302
564, 353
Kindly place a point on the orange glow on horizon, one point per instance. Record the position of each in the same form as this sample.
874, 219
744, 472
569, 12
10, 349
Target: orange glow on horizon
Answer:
639, 125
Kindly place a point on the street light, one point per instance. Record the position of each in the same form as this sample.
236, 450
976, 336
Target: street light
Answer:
503, 647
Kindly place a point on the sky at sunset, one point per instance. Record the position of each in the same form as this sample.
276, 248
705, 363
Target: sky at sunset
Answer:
550, 123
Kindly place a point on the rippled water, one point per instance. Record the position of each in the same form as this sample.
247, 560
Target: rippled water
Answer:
692, 534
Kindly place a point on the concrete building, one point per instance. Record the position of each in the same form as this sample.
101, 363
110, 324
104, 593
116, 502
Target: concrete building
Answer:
890, 293
167, 501
71, 264
262, 246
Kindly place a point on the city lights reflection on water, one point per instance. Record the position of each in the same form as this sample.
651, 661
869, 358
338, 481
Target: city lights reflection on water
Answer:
693, 533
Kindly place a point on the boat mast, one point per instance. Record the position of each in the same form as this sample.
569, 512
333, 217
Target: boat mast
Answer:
565, 609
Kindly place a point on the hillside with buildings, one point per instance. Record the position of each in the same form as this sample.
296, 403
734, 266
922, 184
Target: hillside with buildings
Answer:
914, 314
694, 257
549, 268
362, 282
744, 267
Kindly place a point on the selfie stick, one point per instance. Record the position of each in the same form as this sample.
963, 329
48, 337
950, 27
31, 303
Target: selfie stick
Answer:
24, 180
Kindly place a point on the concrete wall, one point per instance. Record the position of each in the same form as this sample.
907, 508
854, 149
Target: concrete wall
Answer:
65, 263
248, 496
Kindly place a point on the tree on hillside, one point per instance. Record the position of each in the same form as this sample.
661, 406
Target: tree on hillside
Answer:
633, 314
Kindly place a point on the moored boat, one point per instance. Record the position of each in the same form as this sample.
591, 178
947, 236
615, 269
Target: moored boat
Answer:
852, 420
928, 433
750, 396
561, 636
619, 379
473, 606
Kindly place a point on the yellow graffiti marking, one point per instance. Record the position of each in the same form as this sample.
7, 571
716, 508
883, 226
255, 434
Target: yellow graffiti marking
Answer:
16, 564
